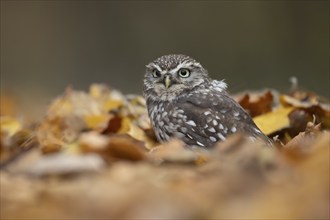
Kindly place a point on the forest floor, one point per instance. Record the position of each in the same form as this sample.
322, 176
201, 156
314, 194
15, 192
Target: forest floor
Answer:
94, 155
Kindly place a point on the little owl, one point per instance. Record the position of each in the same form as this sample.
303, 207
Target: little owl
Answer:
184, 102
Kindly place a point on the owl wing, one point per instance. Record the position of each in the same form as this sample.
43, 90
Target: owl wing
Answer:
213, 115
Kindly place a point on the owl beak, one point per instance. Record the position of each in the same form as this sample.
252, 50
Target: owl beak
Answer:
167, 82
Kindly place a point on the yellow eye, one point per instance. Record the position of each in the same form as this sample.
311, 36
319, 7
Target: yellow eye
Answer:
184, 73
156, 73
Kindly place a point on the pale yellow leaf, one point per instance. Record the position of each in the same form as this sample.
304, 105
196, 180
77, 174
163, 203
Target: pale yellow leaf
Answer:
273, 121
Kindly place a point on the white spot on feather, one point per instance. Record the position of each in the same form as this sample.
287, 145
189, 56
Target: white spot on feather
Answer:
200, 144
221, 136
213, 139
257, 130
192, 123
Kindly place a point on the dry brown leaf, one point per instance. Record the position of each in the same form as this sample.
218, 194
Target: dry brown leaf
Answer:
311, 105
175, 151
126, 148
114, 124
93, 142
113, 147
298, 121
64, 164
302, 143
260, 105
141, 135
300, 98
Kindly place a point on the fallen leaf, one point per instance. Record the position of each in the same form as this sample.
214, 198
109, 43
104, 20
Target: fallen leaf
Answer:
303, 141
126, 124
142, 135
174, 151
110, 105
298, 120
126, 148
260, 105
93, 142
113, 147
96, 121
9, 125
64, 164
300, 102
114, 125
274, 121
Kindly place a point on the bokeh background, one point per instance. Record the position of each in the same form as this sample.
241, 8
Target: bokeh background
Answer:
48, 45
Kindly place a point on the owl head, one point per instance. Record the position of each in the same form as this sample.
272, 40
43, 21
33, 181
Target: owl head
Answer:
172, 75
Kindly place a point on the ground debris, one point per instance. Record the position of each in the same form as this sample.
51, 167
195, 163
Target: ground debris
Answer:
94, 155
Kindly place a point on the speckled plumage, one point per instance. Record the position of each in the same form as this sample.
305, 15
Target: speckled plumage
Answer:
195, 109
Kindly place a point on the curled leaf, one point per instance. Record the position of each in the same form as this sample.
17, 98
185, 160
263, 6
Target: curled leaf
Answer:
257, 105
113, 147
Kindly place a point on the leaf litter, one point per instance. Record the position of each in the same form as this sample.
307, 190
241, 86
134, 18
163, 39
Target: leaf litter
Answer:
94, 155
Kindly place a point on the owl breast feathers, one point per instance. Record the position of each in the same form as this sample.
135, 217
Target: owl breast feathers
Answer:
183, 102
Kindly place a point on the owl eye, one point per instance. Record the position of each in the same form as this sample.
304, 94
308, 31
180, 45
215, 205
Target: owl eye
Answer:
184, 73
156, 73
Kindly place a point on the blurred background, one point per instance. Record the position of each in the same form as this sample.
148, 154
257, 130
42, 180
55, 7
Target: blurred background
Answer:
48, 45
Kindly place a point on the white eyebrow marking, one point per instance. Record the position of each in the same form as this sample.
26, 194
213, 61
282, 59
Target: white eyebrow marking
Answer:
150, 65
185, 64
